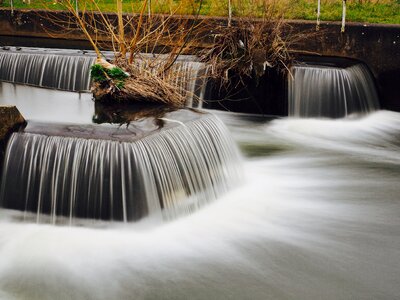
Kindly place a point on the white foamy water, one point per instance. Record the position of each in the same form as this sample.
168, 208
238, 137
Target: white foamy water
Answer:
317, 218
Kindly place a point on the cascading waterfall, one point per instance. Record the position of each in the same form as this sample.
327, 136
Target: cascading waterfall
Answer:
46, 69
69, 70
326, 91
171, 172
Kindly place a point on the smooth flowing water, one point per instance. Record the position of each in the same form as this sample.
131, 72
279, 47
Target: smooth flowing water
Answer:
65, 70
171, 170
330, 91
318, 217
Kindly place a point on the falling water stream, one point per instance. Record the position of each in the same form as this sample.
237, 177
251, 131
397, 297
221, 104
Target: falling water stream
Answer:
125, 175
317, 216
45, 68
331, 91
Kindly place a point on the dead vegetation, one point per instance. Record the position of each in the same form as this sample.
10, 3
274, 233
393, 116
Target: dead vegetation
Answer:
247, 48
244, 47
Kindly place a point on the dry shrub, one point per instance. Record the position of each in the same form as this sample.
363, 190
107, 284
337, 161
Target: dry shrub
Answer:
139, 87
248, 48
245, 48
129, 36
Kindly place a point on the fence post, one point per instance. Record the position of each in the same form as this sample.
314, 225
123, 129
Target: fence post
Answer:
343, 16
229, 13
318, 14
149, 7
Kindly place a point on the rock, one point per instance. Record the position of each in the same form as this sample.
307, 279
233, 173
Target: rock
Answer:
10, 120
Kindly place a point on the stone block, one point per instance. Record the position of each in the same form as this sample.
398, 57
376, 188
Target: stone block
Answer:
10, 120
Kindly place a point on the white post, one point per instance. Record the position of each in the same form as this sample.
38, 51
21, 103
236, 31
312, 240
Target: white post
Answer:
343, 16
229, 13
12, 7
149, 7
318, 14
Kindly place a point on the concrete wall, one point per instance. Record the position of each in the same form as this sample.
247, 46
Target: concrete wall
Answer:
376, 45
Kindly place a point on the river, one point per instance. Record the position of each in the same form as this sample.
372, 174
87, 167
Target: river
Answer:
317, 217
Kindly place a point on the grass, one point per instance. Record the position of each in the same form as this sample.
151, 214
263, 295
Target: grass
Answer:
370, 11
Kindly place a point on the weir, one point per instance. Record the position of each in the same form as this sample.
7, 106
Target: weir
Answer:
46, 68
315, 88
96, 172
316, 217
330, 91
156, 161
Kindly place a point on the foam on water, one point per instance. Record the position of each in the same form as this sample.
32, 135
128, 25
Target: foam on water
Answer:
318, 218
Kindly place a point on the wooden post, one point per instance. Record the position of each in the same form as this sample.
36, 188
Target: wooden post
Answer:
318, 14
229, 13
149, 7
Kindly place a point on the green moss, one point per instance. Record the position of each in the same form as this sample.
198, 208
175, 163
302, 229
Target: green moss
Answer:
99, 73
120, 84
117, 74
